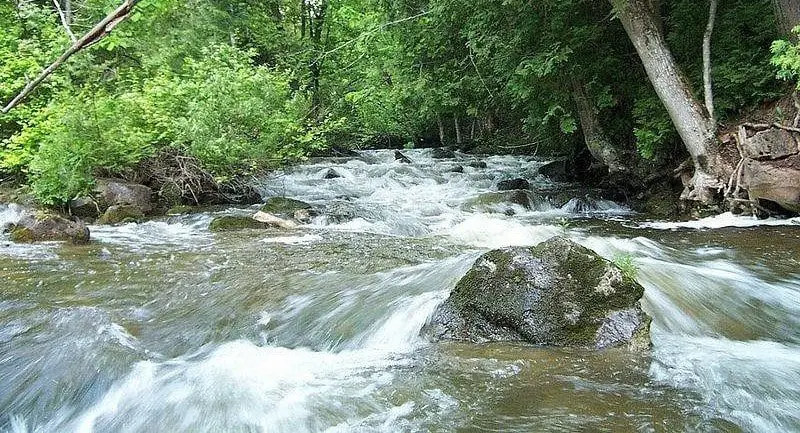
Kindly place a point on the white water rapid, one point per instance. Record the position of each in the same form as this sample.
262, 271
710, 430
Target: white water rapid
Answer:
166, 327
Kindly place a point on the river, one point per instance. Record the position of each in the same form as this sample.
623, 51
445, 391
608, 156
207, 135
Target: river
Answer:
166, 327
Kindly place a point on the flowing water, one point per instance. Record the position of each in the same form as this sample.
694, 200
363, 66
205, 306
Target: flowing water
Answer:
166, 327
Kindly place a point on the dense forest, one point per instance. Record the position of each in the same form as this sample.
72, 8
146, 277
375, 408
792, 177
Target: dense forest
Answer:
230, 88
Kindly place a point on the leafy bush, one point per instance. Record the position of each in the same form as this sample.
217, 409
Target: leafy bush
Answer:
77, 136
237, 115
786, 57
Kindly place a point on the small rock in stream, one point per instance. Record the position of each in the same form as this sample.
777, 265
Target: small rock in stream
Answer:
512, 184
399, 157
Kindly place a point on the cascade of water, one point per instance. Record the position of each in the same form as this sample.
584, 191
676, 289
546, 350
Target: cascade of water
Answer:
165, 327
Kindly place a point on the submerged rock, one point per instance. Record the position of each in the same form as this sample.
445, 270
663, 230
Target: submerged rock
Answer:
478, 164
331, 174
231, 223
399, 157
494, 200
512, 184
342, 211
557, 293
48, 227
285, 207
121, 214
457, 169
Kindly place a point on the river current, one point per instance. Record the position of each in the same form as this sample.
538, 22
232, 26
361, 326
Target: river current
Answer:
166, 327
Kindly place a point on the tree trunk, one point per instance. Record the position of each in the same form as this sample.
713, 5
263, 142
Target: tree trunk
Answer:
458, 130
596, 141
688, 116
441, 129
708, 88
316, 25
787, 15
302, 19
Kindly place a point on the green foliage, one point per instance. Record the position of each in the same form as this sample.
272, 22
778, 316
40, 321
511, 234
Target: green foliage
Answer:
242, 85
236, 115
786, 57
626, 264
78, 136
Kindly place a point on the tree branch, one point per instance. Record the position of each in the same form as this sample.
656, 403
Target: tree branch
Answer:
98, 32
64, 22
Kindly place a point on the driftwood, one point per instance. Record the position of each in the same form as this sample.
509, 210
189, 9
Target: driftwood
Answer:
762, 126
98, 32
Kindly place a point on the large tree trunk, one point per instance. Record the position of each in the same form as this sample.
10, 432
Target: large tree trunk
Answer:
787, 15
596, 141
689, 117
458, 130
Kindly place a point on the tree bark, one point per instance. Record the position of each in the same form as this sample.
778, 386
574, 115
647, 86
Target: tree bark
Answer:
458, 130
688, 116
707, 85
787, 15
596, 140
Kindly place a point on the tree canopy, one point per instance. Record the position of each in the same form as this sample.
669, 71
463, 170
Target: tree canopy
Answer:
244, 85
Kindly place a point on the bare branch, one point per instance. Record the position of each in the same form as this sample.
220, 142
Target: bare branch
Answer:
64, 21
98, 32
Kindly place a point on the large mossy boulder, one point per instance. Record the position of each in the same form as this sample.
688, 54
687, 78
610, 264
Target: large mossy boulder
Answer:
557, 293
48, 227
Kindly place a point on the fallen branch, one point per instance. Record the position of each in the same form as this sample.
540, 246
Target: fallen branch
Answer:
98, 32
763, 126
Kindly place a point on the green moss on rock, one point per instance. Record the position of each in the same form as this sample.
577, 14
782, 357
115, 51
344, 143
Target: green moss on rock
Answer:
230, 223
284, 206
121, 214
45, 227
557, 293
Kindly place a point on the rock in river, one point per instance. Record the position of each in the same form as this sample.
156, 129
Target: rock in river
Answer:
285, 207
557, 293
512, 184
48, 227
110, 192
